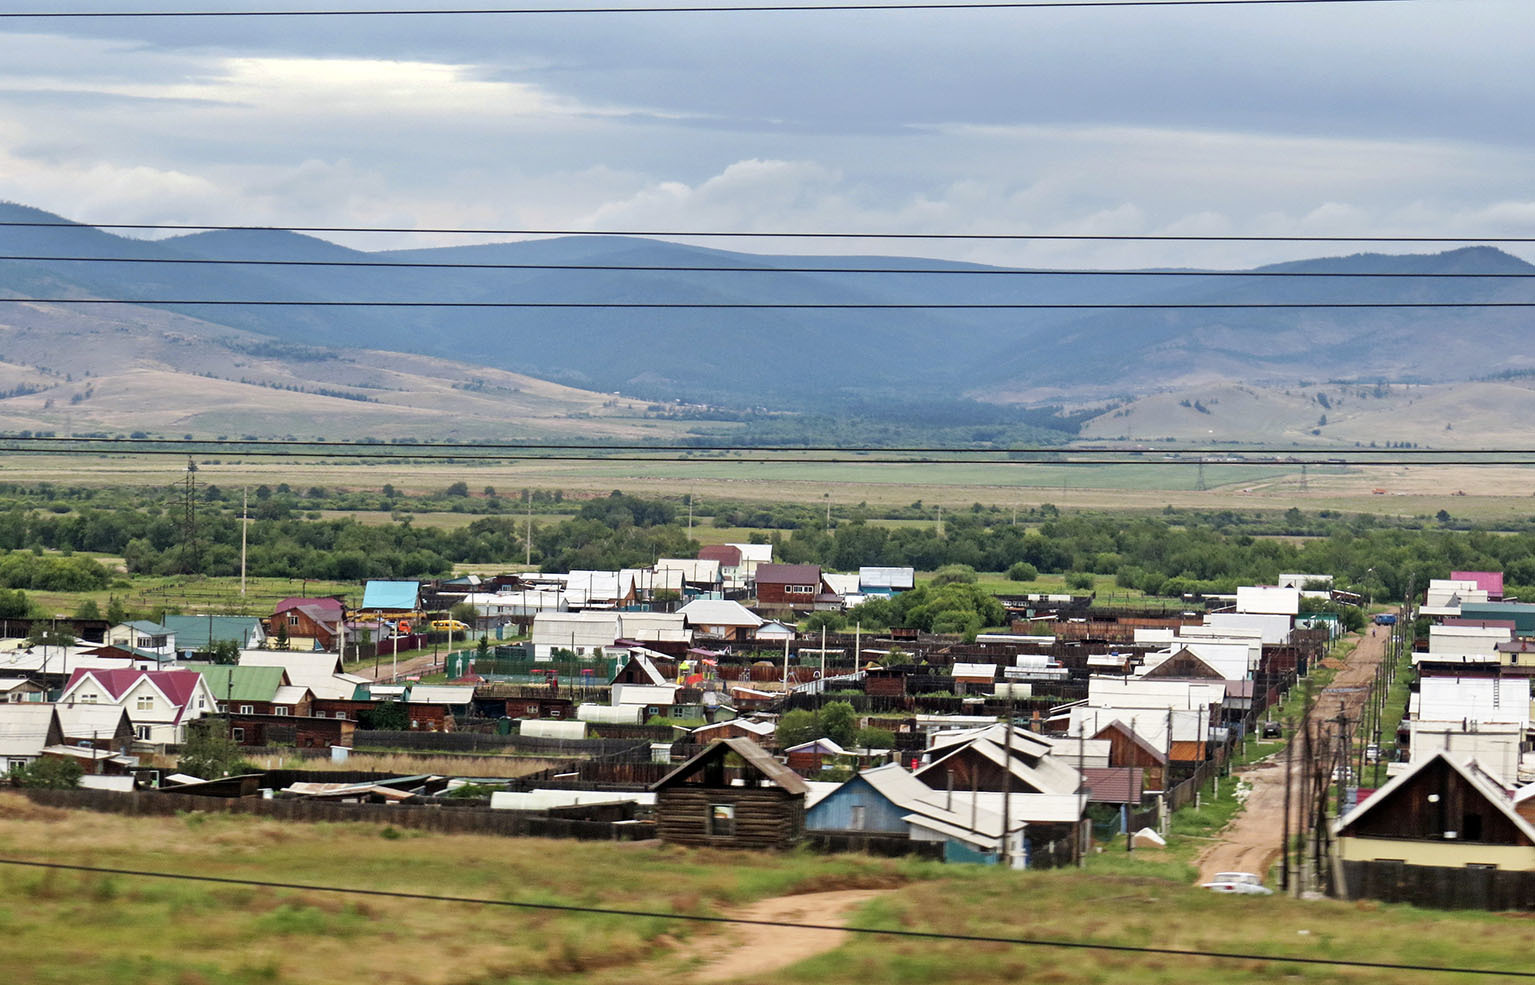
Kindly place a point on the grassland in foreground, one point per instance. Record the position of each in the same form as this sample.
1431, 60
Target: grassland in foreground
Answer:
68, 928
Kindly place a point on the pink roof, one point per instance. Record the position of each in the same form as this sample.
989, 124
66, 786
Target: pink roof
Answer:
178, 686
295, 601
1490, 582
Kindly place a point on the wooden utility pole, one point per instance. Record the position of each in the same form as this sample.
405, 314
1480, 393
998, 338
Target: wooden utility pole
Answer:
244, 523
1289, 765
528, 538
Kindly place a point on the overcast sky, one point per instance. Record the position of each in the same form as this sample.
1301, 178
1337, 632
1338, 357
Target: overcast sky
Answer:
1382, 118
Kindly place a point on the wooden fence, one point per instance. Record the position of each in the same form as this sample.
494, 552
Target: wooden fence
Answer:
431, 817
1440, 887
461, 742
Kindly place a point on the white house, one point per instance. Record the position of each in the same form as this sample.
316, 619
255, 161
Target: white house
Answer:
159, 703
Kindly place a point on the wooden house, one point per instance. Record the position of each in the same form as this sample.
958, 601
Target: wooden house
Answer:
792, 585
1442, 812
732, 794
1127, 749
301, 732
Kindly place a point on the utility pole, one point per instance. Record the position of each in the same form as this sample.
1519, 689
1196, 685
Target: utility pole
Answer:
1284, 853
244, 523
1199, 480
528, 539
1007, 784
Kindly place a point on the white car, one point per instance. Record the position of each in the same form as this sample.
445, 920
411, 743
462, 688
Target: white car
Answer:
1243, 883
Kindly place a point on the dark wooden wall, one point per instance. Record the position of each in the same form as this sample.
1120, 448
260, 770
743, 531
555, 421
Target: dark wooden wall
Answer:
765, 817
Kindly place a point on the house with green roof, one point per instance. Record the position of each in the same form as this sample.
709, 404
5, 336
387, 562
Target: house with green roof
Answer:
255, 690
192, 633
143, 635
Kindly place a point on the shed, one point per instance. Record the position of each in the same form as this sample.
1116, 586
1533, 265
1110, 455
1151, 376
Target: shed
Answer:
703, 802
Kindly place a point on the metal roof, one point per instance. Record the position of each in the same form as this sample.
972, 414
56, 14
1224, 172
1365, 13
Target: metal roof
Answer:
400, 595
755, 756
235, 683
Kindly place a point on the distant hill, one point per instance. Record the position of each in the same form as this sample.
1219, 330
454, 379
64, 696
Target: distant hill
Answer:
808, 358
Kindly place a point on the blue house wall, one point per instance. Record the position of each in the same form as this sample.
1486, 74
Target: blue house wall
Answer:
835, 811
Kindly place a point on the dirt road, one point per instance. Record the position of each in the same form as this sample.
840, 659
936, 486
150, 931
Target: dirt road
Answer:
753, 953
1251, 842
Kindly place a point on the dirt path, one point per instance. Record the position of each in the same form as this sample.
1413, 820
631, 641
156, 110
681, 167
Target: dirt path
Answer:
752, 954
1250, 843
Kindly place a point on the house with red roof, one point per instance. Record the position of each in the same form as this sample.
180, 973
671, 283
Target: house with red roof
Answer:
1490, 582
159, 703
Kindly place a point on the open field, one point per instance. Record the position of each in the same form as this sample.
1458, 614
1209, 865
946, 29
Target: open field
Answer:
1491, 492
73, 927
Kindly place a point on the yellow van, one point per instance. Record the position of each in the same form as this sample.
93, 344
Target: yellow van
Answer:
449, 625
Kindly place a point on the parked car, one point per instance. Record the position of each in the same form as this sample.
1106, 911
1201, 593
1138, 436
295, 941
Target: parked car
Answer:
1241, 883
1271, 730
449, 625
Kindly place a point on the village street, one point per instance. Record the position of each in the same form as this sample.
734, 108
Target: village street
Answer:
1251, 843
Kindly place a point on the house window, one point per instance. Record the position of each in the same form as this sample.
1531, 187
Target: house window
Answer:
722, 820
554, 713
293, 620
146, 702
87, 698
281, 710
16, 764
239, 735
856, 822
246, 709
141, 732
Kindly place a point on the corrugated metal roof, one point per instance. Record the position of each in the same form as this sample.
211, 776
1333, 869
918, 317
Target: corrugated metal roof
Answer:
398, 595
235, 683
1114, 784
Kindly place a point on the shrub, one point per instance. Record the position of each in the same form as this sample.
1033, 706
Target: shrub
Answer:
1022, 571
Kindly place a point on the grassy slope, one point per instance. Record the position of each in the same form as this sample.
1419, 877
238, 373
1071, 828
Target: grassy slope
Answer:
130, 930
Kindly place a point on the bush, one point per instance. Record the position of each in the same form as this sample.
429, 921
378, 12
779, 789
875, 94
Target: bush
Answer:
1080, 580
955, 574
49, 773
870, 737
1022, 571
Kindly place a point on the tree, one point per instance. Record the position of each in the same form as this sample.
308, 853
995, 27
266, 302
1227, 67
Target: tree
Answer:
14, 604
457, 489
795, 727
49, 773
830, 621
839, 723
210, 753
955, 574
88, 610
464, 612
1022, 571
386, 716
225, 653
282, 634
117, 612
1080, 580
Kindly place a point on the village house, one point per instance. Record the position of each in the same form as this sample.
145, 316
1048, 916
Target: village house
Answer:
159, 703
25, 731
143, 636
721, 618
731, 795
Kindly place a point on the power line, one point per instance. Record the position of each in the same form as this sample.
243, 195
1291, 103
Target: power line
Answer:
788, 306
707, 9
777, 924
741, 234
687, 268
1334, 455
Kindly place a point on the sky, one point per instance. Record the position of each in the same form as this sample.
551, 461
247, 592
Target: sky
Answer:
1406, 118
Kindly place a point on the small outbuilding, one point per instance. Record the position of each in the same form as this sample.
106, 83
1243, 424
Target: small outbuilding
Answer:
732, 794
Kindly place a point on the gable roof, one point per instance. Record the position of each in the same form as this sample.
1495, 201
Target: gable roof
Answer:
298, 601
26, 728
789, 574
725, 554
756, 759
320, 672
238, 683
192, 632
176, 686
719, 612
1468, 770
1118, 726
81, 721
